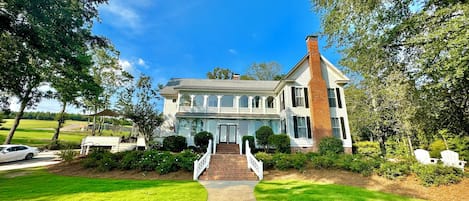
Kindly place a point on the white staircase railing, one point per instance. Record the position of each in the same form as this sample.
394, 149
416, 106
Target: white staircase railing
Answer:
255, 165
203, 163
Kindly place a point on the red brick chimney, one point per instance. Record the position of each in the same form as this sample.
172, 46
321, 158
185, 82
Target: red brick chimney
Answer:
318, 100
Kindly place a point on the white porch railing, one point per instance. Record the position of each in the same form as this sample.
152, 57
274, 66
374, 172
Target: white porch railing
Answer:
203, 163
240, 143
255, 165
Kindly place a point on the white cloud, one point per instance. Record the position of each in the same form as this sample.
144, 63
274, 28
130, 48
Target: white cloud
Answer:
126, 65
121, 15
233, 51
141, 62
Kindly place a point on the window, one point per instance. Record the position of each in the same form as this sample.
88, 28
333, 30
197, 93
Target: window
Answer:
284, 126
339, 101
174, 100
299, 96
212, 101
302, 127
256, 102
335, 127
185, 100
227, 101
270, 102
342, 124
243, 101
198, 101
331, 95
196, 126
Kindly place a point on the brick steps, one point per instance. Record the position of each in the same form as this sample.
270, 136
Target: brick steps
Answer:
228, 167
227, 149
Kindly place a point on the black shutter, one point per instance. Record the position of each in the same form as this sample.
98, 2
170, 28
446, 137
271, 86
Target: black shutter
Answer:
295, 126
339, 101
308, 123
283, 100
306, 98
342, 125
293, 102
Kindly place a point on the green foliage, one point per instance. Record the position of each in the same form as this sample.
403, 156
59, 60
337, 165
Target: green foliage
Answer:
185, 160
252, 144
461, 146
130, 159
435, 175
67, 155
58, 145
263, 134
436, 147
138, 103
353, 163
175, 143
396, 149
101, 159
331, 145
284, 161
369, 149
394, 170
201, 139
267, 160
220, 74
264, 71
281, 142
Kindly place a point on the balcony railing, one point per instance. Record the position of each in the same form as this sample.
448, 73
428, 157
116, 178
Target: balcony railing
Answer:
231, 110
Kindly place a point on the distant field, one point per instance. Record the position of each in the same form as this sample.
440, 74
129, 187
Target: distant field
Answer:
39, 132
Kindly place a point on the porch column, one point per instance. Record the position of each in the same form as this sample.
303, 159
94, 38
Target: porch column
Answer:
219, 103
177, 101
192, 101
250, 104
264, 105
237, 103
205, 103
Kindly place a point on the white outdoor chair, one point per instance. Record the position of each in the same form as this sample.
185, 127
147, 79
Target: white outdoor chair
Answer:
423, 157
451, 158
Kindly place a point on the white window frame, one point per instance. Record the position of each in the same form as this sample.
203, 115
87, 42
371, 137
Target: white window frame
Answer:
299, 97
304, 126
336, 127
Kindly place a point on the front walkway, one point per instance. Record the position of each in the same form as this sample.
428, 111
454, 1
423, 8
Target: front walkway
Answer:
230, 190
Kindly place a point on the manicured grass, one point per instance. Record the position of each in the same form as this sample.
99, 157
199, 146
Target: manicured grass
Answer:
37, 184
39, 132
307, 190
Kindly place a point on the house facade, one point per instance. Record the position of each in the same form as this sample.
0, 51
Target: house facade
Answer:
307, 104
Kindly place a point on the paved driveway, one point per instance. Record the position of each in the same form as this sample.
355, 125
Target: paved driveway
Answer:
42, 159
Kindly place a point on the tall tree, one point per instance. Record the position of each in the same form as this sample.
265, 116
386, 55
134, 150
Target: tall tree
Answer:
264, 71
220, 74
38, 40
138, 103
109, 75
425, 43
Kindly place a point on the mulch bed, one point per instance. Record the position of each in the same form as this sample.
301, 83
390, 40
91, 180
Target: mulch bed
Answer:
409, 186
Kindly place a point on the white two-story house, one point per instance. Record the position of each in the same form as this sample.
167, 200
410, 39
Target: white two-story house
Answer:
307, 104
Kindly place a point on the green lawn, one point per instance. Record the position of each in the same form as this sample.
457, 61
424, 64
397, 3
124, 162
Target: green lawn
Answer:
307, 190
37, 184
39, 132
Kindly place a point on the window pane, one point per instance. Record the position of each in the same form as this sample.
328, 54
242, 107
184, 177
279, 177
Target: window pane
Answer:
331, 95
212, 101
270, 102
256, 102
199, 100
185, 100
299, 97
243, 101
227, 101
301, 122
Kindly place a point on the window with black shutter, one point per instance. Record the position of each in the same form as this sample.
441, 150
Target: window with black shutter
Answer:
306, 97
295, 126
339, 101
308, 123
342, 124
293, 97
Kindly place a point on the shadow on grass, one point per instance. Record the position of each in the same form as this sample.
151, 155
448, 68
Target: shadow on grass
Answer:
304, 190
40, 185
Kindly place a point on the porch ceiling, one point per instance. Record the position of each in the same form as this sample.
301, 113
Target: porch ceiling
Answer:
226, 116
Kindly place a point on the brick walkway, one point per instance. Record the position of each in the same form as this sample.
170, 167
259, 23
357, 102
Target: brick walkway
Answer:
230, 190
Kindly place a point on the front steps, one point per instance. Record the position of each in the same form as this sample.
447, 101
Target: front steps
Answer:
227, 149
232, 167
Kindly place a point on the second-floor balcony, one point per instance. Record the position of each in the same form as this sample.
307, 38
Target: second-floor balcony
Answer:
228, 104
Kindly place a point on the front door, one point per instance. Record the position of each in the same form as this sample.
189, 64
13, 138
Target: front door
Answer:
227, 134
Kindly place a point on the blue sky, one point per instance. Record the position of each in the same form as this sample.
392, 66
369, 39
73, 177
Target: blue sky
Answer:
187, 38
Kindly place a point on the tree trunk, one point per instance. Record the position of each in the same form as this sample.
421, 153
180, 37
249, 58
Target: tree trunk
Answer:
93, 131
60, 122
16, 123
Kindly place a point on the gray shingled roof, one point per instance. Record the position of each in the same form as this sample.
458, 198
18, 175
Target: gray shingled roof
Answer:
176, 84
